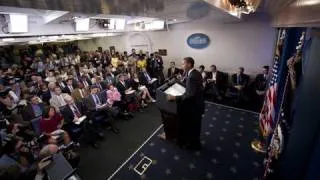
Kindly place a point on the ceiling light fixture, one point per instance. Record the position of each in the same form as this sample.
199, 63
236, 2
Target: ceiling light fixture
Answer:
307, 2
8, 39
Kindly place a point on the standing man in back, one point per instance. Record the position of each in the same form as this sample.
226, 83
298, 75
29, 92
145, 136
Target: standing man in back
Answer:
191, 105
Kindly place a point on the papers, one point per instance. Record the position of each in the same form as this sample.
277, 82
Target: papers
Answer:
153, 80
175, 90
22, 102
80, 120
130, 92
142, 88
55, 134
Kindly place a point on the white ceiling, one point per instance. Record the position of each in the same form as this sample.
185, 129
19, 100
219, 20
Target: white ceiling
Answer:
60, 23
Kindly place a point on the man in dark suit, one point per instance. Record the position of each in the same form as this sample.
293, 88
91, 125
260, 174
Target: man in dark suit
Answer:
146, 80
71, 114
122, 86
69, 86
144, 77
100, 84
98, 107
172, 71
33, 109
191, 107
261, 84
85, 81
60, 83
239, 84
110, 78
214, 83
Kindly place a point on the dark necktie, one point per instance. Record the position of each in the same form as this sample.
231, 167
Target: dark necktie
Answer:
239, 79
96, 99
76, 111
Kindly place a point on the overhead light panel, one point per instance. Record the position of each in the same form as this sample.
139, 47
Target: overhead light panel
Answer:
18, 23
8, 39
82, 24
307, 2
120, 24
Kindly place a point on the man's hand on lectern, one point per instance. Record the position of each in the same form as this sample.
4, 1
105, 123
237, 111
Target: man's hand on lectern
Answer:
171, 98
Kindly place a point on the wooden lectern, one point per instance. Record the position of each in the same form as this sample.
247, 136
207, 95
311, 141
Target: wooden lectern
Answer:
169, 110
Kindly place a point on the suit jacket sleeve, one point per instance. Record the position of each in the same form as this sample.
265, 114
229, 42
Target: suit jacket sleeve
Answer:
191, 88
169, 73
54, 103
68, 115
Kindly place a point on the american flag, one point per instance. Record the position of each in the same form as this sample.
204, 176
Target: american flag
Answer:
267, 115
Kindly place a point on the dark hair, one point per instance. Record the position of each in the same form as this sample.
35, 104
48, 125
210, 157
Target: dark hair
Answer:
32, 95
241, 68
213, 66
265, 67
190, 61
47, 110
172, 62
109, 85
201, 67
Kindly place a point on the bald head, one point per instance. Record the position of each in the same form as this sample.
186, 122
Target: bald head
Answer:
69, 100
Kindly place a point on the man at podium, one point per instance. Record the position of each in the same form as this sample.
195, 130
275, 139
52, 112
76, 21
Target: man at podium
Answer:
191, 107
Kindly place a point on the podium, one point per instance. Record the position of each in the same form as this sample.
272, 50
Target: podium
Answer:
169, 110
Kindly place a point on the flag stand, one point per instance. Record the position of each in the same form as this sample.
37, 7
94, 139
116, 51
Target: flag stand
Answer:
258, 146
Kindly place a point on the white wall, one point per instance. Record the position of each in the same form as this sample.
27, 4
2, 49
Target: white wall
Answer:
248, 44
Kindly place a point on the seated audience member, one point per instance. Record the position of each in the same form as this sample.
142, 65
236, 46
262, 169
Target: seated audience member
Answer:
261, 85
33, 109
51, 87
214, 83
114, 99
79, 93
239, 84
69, 86
202, 71
110, 77
113, 95
73, 111
44, 93
57, 100
144, 78
51, 77
97, 106
51, 126
72, 114
122, 86
9, 107
172, 71
141, 62
142, 91
15, 92
60, 83
99, 83
85, 80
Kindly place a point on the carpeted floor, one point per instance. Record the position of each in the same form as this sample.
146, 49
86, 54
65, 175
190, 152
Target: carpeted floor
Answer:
226, 154
97, 164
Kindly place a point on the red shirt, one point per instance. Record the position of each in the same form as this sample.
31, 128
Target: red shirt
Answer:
48, 126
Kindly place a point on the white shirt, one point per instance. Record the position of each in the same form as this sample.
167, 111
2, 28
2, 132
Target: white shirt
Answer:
61, 100
70, 88
214, 76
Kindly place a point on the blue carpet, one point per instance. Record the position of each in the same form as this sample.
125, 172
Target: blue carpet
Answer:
226, 153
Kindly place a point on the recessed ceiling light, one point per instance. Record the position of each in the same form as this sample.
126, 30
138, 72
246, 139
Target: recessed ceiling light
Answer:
174, 20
